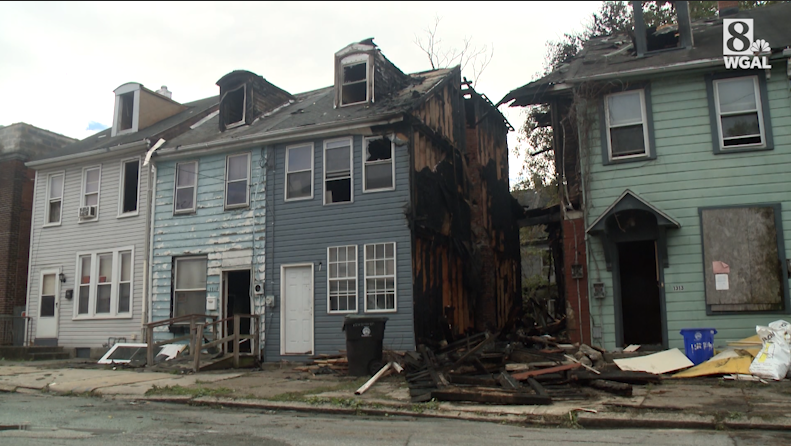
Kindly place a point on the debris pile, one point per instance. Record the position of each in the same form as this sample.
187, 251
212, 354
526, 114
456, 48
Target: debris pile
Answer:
326, 364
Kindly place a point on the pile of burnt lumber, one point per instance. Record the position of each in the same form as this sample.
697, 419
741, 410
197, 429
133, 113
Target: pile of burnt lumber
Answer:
326, 364
480, 369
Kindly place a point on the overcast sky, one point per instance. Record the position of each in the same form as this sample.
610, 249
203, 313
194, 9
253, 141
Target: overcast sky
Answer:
60, 62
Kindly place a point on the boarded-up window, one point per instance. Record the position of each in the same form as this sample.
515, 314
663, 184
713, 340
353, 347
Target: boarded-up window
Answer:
742, 262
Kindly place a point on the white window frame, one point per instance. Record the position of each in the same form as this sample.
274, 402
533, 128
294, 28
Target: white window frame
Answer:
758, 110
646, 139
355, 59
120, 91
49, 272
176, 261
374, 163
351, 171
49, 199
246, 180
394, 276
194, 207
121, 187
94, 282
312, 169
348, 276
232, 125
98, 192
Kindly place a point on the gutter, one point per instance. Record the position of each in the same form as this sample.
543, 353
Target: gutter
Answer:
248, 141
53, 162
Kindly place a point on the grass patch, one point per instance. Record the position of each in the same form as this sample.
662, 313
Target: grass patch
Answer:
428, 405
194, 392
307, 395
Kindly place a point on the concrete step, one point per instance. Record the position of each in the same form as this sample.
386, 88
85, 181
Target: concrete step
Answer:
28, 353
48, 356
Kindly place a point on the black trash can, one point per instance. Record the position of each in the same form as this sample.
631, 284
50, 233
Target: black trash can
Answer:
364, 335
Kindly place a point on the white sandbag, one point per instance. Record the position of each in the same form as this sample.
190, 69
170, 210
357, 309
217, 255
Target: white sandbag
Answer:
773, 361
783, 328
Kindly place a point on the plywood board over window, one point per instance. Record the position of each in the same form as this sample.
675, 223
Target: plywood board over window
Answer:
743, 259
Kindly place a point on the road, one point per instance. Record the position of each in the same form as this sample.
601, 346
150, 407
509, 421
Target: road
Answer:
85, 421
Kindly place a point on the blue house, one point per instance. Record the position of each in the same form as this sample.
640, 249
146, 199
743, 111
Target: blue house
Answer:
371, 196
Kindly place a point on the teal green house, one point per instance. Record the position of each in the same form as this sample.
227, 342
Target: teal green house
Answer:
675, 173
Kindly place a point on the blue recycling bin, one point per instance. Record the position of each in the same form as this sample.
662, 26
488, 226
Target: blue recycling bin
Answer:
698, 343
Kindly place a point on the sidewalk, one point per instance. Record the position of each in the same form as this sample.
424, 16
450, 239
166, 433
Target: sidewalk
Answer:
705, 403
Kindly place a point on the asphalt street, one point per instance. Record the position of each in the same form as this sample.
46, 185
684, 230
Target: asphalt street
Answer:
41, 419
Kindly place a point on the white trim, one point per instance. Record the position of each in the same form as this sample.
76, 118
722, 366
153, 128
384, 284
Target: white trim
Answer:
392, 162
395, 278
640, 199
95, 154
47, 201
244, 107
121, 184
348, 277
758, 111
94, 282
347, 61
98, 193
194, 207
350, 139
644, 123
30, 268
247, 181
283, 307
56, 317
312, 169
176, 260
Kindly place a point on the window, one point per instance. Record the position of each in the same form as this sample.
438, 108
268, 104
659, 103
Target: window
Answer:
338, 171
186, 187
237, 178
232, 108
299, 172
126, 108
380, 275
342, 279
739, 116
104, 287
49, 287
378, 165
91, 177
189, 293
743, 259
626, 123
130, 184
54, 198
354, 79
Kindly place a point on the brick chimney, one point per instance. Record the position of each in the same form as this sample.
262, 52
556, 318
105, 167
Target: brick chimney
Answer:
727, 8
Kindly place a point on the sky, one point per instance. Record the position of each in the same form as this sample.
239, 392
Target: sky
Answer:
60, 62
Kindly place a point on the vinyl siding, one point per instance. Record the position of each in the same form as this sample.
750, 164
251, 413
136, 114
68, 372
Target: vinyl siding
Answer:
224, 236
57, 246
301, 231
685, 176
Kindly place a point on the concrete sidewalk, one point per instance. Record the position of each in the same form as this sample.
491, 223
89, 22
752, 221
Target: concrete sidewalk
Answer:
702, 403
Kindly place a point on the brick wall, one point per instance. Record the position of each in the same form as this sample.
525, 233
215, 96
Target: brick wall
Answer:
577, 308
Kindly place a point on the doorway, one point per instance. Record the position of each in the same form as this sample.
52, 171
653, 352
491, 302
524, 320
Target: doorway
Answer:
296, 312
641, 313
236, 295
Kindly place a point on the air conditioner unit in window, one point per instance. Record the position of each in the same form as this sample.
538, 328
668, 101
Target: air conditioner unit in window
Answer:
87, 212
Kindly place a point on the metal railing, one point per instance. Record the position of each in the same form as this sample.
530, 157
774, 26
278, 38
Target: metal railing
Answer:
14, 329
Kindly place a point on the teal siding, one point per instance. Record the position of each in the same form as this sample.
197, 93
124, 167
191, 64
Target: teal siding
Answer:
301, 232
685, 176
224, 236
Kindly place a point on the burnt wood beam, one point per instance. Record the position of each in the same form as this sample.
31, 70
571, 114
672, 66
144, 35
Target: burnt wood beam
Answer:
438, 140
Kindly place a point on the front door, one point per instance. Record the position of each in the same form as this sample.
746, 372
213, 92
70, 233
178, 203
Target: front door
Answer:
296, 313
236, 294
641, 314
47, 323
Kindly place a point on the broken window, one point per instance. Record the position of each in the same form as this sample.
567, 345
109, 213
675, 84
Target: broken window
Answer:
130, 175
342, 279
232, 107
126, 109
354, 81
237, 178
48, 290
739, 117
378, 168
55, 198
299, 172
338, 171
189, 293
380, 291
186, 187
627, 129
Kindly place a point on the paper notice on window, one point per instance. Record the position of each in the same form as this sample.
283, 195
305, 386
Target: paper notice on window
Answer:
721, 282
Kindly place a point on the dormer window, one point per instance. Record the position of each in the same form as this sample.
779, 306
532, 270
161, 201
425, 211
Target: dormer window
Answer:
233, 106
354, 79
127, 109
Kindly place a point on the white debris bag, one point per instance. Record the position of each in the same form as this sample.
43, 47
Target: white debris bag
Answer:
783, 328
774, 359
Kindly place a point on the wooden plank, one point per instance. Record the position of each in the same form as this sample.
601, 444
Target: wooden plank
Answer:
613, 387
507, 381
472, 380
479, 347
483, 395
521, 376
538, 388
618, 376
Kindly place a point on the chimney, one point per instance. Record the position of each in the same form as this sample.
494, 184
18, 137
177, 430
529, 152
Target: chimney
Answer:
641, 46
164, 92
685, 25
727, 8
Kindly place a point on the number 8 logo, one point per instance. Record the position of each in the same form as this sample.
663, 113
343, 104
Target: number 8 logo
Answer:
737, 36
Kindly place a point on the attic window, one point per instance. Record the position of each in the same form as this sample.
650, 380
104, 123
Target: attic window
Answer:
233, 107
126, 111
354, 84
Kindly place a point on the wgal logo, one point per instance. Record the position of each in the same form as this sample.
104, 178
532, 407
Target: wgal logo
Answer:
739, 48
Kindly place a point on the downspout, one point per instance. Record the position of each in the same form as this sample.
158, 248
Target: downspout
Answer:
28, 327
254, 265
151, 203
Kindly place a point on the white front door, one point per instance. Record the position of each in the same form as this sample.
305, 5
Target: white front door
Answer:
47, 317
296, 313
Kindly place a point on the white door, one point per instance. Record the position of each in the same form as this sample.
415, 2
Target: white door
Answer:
297, 310
47, 317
